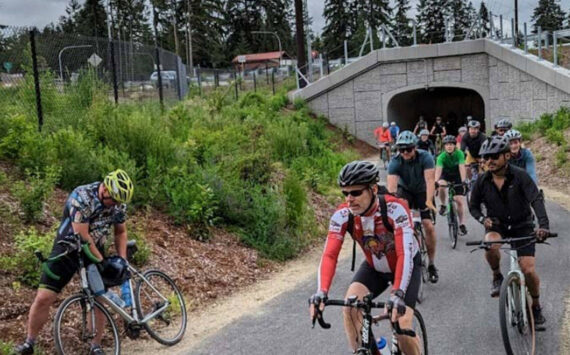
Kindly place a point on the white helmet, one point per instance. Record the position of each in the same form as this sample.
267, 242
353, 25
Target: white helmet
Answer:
393, 123
462, 129
385, 124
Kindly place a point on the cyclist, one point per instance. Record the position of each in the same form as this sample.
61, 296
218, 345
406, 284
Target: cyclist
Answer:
425, 143
502, 127
508, 194
391, 252
438, 131
470, 145
450, 168
521, 157
421, 125
90, 211
411, 175
460, 133
394, 129
384, 138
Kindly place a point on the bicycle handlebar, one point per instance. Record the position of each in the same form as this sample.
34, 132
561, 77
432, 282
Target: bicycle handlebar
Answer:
484, 244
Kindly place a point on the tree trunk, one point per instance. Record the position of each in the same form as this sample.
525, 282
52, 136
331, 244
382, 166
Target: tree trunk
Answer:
300, 36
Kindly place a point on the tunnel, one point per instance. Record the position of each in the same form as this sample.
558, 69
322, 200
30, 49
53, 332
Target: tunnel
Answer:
452, 104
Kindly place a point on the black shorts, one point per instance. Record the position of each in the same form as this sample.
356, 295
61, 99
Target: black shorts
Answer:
526, 249
453, 179
65, 268
378, 282
416, 201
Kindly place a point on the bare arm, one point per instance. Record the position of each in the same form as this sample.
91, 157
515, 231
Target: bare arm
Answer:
429, 175
392, 183
438, 171
83, 230
462, 172
444, 133
121, 240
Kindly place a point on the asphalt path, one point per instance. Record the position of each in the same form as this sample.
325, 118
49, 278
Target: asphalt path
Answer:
460, 315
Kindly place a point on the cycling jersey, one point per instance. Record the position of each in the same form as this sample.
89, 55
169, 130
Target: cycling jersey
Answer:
438, 128
421, 125
450, 162
428, 146
83, 206
382, 135
394, 131
411, 172
384, 251
525, 160
472, 144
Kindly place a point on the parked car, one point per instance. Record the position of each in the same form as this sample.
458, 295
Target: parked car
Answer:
168, 78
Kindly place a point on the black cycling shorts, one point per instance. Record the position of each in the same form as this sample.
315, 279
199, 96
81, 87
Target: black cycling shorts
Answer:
453, 179
65, 268
416, 201
526, 249
378, 282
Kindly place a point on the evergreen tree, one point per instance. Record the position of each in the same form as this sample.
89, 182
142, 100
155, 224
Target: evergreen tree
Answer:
91, 20
484, 30
338, 26
402, 29
374, 13
548, 15
431, 20
241, 18
207, 32
278, 19
131, 20
67, 23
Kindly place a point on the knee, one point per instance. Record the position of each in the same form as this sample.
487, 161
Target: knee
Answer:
45, 298
350, 313
527, 269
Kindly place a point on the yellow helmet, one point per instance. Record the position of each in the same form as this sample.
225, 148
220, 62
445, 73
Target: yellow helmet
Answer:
119, 185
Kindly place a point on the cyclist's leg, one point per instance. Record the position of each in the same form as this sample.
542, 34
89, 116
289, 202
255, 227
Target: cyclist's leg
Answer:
493, 254
442, 192
365, 281
460, 200
407, 344
525, 253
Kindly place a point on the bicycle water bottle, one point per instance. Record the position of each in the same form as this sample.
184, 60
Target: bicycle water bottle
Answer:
383, 346
126, 293
115, 298
95, 281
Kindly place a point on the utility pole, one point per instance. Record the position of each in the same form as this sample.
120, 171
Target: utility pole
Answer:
190, 61
300, 37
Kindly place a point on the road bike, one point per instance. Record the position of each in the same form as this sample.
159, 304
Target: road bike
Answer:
515, 313
451, 211
368, 344
420, 236
157, 306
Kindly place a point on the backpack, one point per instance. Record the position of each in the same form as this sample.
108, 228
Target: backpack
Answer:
382, 192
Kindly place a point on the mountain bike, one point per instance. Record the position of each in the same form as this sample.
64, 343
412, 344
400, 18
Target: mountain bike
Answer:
158, 306
451, 212
368, 344
515, 313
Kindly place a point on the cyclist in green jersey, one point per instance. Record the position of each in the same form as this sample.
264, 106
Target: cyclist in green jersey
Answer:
450, 168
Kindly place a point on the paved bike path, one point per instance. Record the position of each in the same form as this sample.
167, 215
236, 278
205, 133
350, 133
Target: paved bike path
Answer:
460, 316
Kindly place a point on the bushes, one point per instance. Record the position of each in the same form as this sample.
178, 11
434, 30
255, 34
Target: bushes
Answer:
34, 191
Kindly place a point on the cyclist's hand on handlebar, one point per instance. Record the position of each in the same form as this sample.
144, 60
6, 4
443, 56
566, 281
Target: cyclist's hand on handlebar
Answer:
429, 204
396, 305
488, 223
542, 234
318, 299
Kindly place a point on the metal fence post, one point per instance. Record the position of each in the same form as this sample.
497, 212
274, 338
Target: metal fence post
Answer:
266, 73
178, 88
254, 83
539, 43
513, 32
345, 52
554, 50
236, 84
114, 71
199, 77
160, 93
216, 79
327, 61
525, 39
415, 35
36, 80
501, 27
321, 64
273, 81
492, 27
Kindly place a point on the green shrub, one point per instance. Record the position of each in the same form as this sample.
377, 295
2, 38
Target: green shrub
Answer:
143, 249
295, 200
34, 191
278, 101
23, 261
299, 103
560, 157
555, 136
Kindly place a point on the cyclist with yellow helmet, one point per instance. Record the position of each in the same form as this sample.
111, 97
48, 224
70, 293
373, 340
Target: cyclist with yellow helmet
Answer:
91, 211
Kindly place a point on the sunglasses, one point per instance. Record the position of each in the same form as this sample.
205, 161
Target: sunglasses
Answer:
406, 150
354, 193
494, 156
502, 130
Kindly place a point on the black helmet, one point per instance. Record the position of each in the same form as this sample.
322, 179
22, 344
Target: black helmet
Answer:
358, 172
495, 144
115, 271
474, 124
449, 139
504, 123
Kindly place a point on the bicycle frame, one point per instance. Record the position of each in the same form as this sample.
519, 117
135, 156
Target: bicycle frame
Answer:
515, 269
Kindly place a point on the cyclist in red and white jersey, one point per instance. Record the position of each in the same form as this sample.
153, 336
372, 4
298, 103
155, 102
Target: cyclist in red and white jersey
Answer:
391, 252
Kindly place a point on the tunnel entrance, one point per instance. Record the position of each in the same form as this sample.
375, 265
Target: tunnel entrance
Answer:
452, 104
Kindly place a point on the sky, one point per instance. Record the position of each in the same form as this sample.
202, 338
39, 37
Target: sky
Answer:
42, 12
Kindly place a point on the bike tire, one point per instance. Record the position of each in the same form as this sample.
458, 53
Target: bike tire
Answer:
82, 345
424, 261
153, 300
510, 317
421, 331
453, 225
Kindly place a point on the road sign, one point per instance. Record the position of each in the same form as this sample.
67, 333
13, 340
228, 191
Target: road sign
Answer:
94, 60
8, 66
241, 59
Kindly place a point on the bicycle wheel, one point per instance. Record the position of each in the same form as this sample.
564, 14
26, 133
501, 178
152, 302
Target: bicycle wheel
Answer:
168, 326
452, 225
419, 327
72, 328
424, 260
518, 333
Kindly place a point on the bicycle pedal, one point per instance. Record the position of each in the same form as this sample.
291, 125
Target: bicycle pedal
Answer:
539, 328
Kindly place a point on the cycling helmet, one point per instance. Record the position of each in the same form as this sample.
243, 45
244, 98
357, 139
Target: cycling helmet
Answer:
358, 172
513, 134
115, 271
424, 132
406, 139
119, 185
469, 118
449, 139
462, 129
504, 123
393, 123
474, 124
385, 125
495, 144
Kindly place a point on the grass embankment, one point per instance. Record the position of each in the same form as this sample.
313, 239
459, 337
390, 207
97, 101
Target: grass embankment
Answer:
248, 166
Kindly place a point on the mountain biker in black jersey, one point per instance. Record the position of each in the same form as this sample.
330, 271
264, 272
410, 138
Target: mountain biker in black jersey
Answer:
502, 127
508, 193
438, 131
91, 211
470, 145
420, 126
425, 143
